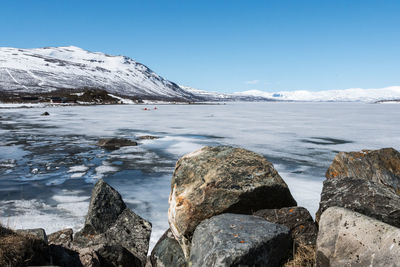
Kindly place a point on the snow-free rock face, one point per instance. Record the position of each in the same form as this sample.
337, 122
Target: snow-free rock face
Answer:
52, 68
105, 206
239, 240
112, 227
167, 252
348, 238
380, 166
299, 221
215, 180
38, 233
61, 238
363, 196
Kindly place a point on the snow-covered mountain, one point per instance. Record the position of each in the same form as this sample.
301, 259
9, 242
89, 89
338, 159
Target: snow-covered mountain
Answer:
43, 70
346, 95
53, 69
215, 97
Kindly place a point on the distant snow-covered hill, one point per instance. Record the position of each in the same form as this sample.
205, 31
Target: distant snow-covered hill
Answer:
43, 70
346, 95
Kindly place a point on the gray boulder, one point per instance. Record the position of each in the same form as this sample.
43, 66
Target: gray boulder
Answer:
348, 238
363, 196
380, 166
167, 252
215, 180
115, 143
239, 240
299, 221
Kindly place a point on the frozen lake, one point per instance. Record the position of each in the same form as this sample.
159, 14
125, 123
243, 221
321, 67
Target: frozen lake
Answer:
48, 164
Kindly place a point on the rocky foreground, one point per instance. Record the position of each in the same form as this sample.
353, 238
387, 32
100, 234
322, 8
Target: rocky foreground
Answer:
230, 207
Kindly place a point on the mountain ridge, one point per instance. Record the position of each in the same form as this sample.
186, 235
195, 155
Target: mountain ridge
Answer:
60, 72
44, 70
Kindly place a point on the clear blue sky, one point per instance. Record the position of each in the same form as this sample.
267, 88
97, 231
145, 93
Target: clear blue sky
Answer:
226, 45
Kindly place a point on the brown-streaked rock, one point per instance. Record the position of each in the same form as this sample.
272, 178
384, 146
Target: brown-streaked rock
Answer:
380, 166
215, 180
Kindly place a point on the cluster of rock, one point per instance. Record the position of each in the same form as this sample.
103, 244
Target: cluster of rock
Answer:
230, 207
113, 235
359, 213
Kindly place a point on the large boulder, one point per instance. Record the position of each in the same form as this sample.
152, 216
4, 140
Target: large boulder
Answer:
115, 143
167, 252
299, 221
105, 206
239, 240
363, 196
110, 224
347, 238
215, 180
380, 166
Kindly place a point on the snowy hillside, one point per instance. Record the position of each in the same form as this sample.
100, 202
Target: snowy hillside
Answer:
54, 69
214, 96
47, 69
347, 95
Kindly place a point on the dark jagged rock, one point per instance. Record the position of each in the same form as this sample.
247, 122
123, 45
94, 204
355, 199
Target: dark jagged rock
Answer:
167, 252
132, 232
347, 238
45, 114
110, 223
380, 166
64, 257
38, 233
116, 255
61, 238
363, 196
215, 180
239, 240
299, 221
105, 206
115, 143
147, 137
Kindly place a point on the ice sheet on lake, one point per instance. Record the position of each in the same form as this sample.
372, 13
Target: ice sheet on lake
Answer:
300, 139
